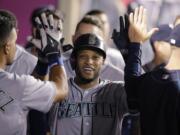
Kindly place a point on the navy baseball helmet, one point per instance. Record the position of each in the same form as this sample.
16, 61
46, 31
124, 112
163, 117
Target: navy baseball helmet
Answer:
162, 34
87, 42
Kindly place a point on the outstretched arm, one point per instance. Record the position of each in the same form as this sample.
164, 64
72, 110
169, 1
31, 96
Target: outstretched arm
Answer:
137, 34
49, 56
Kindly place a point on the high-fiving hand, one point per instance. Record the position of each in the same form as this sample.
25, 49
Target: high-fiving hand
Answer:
138, 26
50, 33
121, 38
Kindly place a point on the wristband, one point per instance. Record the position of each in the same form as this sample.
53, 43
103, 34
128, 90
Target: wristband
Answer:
55, 59
41, 68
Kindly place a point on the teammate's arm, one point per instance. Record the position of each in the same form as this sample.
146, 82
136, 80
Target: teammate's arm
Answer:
49, 56
137, 34
58, 75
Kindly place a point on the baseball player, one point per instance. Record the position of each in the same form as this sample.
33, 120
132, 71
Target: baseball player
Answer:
18, 94
155, 94
91, 24
93, 106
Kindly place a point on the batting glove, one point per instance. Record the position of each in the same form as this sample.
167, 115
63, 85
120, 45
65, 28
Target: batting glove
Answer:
121, 38
51, 39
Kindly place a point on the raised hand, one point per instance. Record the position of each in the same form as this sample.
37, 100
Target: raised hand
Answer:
138, 26
50, 33
121, 38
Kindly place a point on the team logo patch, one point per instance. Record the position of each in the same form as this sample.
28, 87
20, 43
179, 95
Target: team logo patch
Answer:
92, 40
4, 100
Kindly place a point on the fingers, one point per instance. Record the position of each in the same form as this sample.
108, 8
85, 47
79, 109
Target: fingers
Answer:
49, 26
51, 21
42, 35
138, 25
136, 13
59, 25
131, 18
38, 23
140, 18
44, 20
55, 24
121, 24
144, 19
40, 27
137, 31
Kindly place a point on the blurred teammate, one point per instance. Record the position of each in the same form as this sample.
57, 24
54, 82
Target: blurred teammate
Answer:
19, 94
155, 94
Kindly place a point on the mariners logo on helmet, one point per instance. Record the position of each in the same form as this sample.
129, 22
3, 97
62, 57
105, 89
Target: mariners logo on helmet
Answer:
92, 40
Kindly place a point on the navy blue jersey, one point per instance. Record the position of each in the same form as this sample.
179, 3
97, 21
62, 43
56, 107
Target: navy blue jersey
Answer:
155, 94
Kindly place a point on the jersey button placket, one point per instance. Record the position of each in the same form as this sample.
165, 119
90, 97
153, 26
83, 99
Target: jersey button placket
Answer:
86, 119
86, 93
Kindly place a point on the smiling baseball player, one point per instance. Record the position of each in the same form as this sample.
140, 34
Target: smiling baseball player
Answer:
93, 106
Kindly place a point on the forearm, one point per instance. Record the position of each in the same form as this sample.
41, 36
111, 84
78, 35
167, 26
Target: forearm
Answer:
50, 53
58, 76
133, 65
132, 73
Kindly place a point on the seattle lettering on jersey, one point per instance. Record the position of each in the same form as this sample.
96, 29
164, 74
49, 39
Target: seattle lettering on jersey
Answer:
4, 100
91, 109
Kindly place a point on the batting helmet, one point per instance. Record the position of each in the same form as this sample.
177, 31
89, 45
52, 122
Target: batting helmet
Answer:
87, 42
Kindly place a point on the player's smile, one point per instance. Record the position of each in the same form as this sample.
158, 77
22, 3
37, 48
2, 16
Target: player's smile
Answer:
88, 69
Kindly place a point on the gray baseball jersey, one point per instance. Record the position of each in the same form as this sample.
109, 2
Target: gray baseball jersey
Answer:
96, 111
24, 62
18, 94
